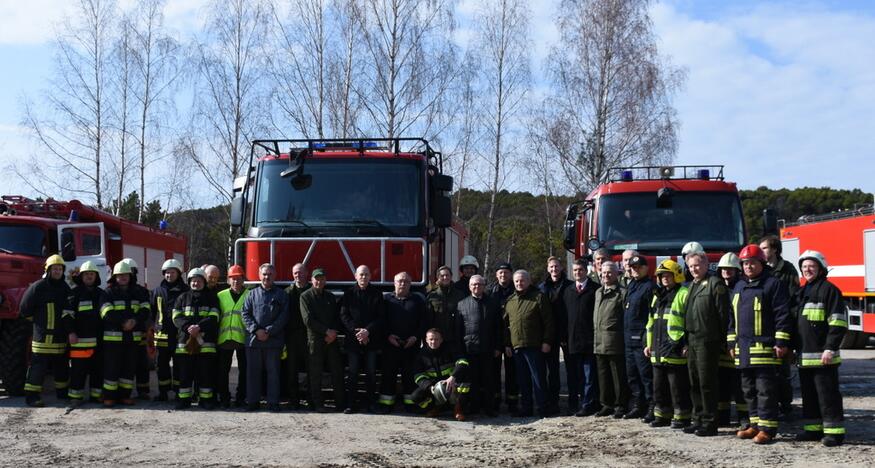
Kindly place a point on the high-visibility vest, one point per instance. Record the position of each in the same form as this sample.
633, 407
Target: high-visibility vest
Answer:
231, 327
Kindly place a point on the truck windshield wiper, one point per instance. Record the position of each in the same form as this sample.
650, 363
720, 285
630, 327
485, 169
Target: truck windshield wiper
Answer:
5, 250
285, 221
367, 222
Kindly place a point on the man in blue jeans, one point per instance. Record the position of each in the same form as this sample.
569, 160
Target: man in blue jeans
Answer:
530, 331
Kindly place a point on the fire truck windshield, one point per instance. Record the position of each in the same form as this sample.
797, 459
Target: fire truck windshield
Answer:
19, 239
633, 221
371, 196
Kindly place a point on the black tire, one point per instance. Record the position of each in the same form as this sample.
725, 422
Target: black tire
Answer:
14, 341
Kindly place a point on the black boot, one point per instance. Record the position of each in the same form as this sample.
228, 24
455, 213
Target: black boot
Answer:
62, 394
34, 400
723, 418
809, 436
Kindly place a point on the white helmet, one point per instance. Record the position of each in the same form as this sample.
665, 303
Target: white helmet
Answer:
729, 260
171, 263
197, 272
469, 260
130, 262
816, 256
441, 394
692, 248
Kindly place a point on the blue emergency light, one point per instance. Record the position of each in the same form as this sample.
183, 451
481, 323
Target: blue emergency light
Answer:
162, 225
704, 174
626, 176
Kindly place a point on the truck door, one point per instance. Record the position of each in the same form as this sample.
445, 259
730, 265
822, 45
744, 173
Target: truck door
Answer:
81, 242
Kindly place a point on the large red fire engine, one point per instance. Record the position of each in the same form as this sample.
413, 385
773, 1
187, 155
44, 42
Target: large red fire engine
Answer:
847, 240
30, 231
337, 204
656, 210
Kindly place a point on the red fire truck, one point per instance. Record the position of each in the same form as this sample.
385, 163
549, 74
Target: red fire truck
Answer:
30, 231
656, 210
337, 204
847, 240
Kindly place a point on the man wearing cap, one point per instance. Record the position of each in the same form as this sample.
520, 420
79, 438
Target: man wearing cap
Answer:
553, 287
579, 305
636, 310
361, 311
232, 337
442, 308
296, 336
162, 300
500, 291
265, 313
321, 316
196, 316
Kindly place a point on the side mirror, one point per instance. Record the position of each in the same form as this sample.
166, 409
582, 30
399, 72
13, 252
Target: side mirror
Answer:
770, 221
569, 239
441, 183
442, 211
237, 206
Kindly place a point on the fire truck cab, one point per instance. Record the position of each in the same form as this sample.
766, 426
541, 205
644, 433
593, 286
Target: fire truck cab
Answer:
656, 210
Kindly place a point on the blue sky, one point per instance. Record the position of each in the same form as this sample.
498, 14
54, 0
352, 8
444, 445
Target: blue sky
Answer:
782, 93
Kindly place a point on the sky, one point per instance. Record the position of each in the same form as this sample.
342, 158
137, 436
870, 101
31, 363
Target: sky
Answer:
782, 93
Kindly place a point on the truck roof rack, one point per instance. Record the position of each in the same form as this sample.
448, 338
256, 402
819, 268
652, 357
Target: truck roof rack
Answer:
628, 174
863, 210
409, 145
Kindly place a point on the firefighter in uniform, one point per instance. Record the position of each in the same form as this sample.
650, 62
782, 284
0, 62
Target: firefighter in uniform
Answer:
43, 303
82, 323
468, 267
196, 318
665, 348
636, 309
124, 315
707, 315
501, 291
148, 341
405, 319
441, 377
321, 316
163, 299
822, 321
442, 307
232, 338
758, 335
729, 379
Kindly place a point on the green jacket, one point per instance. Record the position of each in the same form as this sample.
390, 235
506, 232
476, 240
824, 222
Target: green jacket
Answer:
529, 319
320, 313
608, 320
707, 312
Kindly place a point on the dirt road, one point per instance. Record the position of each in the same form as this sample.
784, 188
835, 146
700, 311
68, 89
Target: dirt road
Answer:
153, 433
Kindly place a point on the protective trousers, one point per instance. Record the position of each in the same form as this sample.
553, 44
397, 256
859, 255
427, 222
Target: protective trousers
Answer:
226, 358
36, 373
167, 379
822, 409
142, 374
119, 366
395, 359
88, 369
613, 386
671, 393
195, 368
702, 360
511, 387
760, 385
320, 355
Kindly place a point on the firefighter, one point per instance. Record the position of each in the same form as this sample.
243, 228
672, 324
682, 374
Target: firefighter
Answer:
232, 338
442, 307
196, 318
124, 314
729, 268
822, 321
82, 324
163, 299
553, 287
43, 304
295, 336
608, 343
321, 316
482, 331
707, 315
665, 347
468, 267
636, 309
758, 336
361, 311
441, 377
148, 341
500, 291
405, 319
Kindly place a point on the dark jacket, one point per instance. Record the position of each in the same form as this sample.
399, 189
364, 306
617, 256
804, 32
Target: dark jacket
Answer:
162, 300
481, 325
608, 320
761, 321
433, 365
266, 309
529, 320
636, 310
321, 313
822, 320
580, 311
118, 305
82, 316
43, 303
442, 306
707, 312
405, 317
555, 291
665, 329
199, 308
362, 308
295, 323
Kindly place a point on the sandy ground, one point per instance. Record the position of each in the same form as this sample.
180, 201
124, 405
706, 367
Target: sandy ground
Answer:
153, 433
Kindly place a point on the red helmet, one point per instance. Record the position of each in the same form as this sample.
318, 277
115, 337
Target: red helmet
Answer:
752, 251
236, 270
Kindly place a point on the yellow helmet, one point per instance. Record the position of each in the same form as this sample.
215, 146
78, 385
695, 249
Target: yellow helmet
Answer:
55, 260
121, 268
671, 266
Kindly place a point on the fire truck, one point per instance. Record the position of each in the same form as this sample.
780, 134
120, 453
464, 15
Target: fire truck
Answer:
30, 231
336, 204
847, 240
656, 210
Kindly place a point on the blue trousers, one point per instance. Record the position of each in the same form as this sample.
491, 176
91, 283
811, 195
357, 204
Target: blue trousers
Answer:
531, 375
583, 382
260, 360
639, 374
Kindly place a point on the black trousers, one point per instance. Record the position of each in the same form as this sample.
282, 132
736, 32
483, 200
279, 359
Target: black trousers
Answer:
119, 367
197, 369
84, 369
39, 365
613, 385
554, 383
703, 361
671, 392
226, 358
395, 360
358, 360
167, 378
730, 390
483, 387
761, 391
142, 374
511, 386
639, 373
822, 409
322, 354
294, 364
785, 384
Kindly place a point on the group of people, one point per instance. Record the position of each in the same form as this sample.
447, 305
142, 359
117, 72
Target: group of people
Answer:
674, 352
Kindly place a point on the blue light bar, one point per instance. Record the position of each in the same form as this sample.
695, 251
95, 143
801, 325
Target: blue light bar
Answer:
346, 145
626, 176
704, 174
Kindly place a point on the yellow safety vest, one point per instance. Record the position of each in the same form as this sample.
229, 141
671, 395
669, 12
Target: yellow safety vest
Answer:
231, 326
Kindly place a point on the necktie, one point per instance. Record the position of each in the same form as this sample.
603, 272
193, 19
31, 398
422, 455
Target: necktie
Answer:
579, 287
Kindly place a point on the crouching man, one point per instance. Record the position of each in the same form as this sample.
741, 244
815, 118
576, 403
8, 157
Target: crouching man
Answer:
441, 379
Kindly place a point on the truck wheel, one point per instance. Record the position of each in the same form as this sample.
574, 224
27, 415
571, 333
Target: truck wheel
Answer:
855, 340
14, 340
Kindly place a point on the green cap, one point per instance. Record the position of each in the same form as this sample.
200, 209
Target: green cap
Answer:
318, 272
